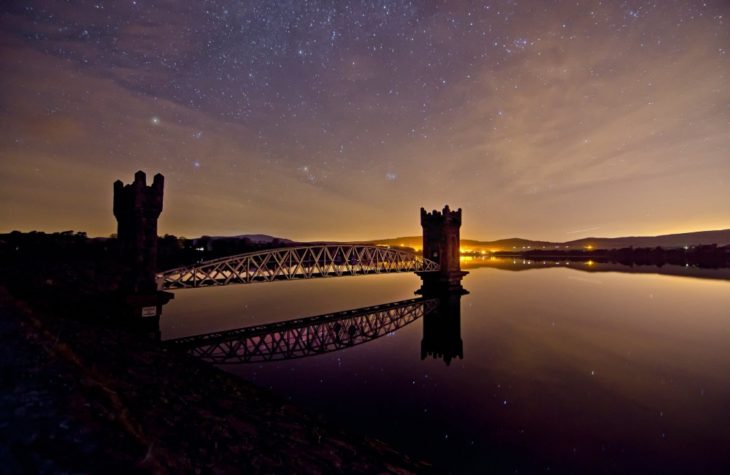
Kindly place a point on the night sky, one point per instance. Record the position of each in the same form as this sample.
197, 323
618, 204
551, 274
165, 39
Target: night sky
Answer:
339, 120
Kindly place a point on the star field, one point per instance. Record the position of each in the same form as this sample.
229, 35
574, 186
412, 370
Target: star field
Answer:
339, 120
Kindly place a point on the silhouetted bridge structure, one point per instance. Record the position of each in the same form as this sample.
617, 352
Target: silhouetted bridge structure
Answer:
304, 337
304, 262
142, 288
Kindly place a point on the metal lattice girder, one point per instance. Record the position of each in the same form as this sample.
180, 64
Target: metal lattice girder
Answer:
305, 336
306, 262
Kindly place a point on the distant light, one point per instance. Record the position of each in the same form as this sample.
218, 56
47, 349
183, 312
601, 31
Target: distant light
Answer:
154, 120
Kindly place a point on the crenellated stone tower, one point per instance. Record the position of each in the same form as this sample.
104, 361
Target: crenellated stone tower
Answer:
137, 207
441, 244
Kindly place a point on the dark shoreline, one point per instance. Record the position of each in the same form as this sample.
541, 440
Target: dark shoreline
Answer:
88, 396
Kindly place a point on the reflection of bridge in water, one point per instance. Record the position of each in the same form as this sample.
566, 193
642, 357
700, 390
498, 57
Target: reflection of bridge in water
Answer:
321, 334
304, 336
303, 262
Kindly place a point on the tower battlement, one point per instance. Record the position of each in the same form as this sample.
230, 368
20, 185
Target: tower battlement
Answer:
440, 218
138, 197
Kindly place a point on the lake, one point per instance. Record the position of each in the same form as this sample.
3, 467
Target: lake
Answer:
567, 367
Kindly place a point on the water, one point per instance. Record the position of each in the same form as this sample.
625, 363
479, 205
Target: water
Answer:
562, 371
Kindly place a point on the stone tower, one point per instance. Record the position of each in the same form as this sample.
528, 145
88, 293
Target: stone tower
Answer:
137, 207
441, 244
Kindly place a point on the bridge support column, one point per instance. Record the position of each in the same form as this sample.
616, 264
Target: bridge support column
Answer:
441, 244
136, 208
442, 329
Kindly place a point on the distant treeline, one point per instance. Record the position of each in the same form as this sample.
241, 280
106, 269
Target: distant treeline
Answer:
66, 270
44, 249
36, 253
71, 272
711, 256
173, 251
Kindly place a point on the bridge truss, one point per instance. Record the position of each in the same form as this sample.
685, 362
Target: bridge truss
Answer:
305, 336
305, 262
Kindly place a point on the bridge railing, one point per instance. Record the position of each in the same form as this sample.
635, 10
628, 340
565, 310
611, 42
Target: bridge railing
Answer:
304, 262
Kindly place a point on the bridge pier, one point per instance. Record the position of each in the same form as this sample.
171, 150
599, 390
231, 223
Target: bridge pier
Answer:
136, 208
441, 244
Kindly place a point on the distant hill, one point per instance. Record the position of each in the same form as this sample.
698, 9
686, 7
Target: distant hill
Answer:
255, 238
721, 238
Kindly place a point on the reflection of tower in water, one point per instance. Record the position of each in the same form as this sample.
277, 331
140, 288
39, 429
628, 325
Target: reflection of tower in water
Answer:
442, 329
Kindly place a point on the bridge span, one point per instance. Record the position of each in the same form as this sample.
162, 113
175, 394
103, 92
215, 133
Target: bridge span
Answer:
303, 262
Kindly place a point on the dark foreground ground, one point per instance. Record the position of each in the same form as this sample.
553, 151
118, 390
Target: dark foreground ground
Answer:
81, 397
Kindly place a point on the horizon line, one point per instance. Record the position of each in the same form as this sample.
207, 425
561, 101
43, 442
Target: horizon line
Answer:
393, 238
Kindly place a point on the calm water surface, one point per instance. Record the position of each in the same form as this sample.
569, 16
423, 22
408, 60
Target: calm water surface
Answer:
562, 371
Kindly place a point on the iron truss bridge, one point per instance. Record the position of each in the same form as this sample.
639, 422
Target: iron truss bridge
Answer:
306, 262
305, 336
